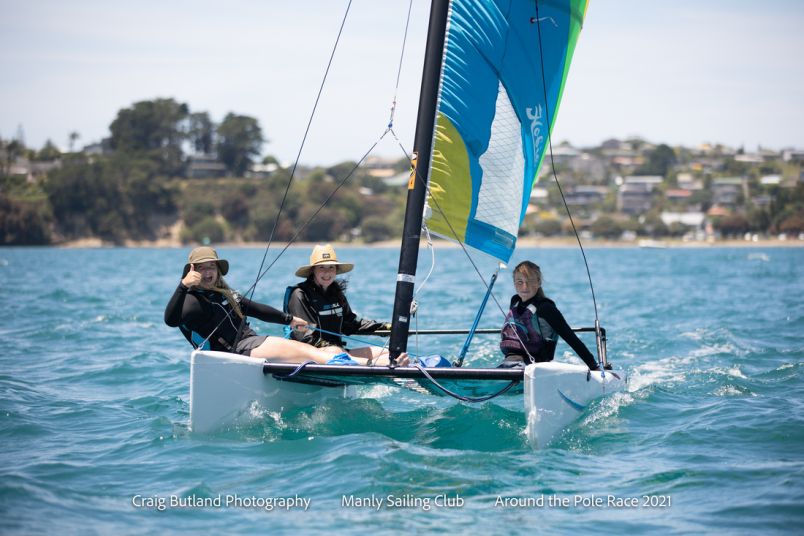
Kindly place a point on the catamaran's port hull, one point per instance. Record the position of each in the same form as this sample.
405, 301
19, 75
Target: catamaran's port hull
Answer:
224, 386
557, 393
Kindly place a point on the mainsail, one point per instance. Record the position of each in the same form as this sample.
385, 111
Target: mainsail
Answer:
491, 125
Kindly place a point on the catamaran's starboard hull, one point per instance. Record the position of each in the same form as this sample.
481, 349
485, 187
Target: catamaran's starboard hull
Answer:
557, 393
224, 386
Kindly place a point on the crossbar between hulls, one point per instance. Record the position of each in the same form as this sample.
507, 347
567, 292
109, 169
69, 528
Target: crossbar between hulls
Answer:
398, 372
483, 331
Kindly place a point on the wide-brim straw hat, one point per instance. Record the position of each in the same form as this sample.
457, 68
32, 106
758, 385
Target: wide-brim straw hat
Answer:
322, 256
202, 255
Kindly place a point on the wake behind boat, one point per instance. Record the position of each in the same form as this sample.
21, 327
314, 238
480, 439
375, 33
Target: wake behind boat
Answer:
493, 77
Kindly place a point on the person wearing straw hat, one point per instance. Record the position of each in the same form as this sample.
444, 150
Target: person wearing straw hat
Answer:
320, 301
208, 313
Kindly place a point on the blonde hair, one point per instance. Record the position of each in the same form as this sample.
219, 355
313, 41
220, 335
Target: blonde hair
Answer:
530, 271
220, 286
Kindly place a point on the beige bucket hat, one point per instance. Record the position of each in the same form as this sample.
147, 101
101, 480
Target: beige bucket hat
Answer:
323, 255
202, 255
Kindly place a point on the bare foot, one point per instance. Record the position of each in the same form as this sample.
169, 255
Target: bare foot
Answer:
402, 361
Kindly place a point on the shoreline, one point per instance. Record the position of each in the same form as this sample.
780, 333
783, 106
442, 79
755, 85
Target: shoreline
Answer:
543, 243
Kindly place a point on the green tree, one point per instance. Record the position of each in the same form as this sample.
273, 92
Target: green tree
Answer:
733, 225
758, 220
14, 149
74, 135
152, 128
547, 227
196, 211
606, 227
660, 160
207, 231
792, 224
239, 138
21, 224
201, 132
327, 225
48, 152
375, 229
112, 198
235, 208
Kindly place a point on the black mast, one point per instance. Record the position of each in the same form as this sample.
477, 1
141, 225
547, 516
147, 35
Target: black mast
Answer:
422, 149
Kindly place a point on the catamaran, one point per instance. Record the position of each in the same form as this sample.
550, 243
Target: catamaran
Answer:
493, 77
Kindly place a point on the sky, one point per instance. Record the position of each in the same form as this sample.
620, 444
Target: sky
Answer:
683, 73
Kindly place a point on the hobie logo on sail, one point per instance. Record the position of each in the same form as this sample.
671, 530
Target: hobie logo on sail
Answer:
535, 123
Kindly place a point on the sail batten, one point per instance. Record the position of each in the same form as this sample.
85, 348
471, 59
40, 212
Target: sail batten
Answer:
492, 119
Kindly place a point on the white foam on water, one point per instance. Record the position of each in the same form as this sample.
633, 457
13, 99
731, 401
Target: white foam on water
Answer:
609, 406
758, 257
731, 390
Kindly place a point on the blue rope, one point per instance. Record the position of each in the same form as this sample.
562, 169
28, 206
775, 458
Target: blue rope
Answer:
298, 369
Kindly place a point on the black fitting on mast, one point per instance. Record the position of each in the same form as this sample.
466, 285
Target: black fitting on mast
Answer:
417, 190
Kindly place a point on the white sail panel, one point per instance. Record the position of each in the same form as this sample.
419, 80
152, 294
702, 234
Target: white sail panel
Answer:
499, 202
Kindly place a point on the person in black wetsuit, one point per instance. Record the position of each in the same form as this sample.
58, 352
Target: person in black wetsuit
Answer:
523, 341
320, 301
208, 313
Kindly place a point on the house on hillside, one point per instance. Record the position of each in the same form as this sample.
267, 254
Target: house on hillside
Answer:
678, 194
725, 190
380, 167
103, 148
634, 198
687, 182
204, 166
690, 219
590, 165
262, 171
792, 154
583, 195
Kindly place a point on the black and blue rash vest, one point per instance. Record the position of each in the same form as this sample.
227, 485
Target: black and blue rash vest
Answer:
547, 313
201, 313
324, 309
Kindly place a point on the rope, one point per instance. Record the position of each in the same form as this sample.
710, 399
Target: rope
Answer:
465, 398
298, 369
427, 375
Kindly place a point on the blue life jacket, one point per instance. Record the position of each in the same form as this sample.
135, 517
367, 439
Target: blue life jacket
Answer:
288, 291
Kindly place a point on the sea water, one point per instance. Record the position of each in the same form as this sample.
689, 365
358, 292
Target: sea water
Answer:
708, 436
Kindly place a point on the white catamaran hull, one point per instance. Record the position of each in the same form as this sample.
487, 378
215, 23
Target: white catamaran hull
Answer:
557, 393
224, 386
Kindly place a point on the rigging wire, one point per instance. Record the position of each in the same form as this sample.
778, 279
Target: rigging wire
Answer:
552, 164
292, 172
253, 287
399, 71
389, 128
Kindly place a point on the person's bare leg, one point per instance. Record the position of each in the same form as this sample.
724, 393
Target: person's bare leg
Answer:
365, 353
287, 351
